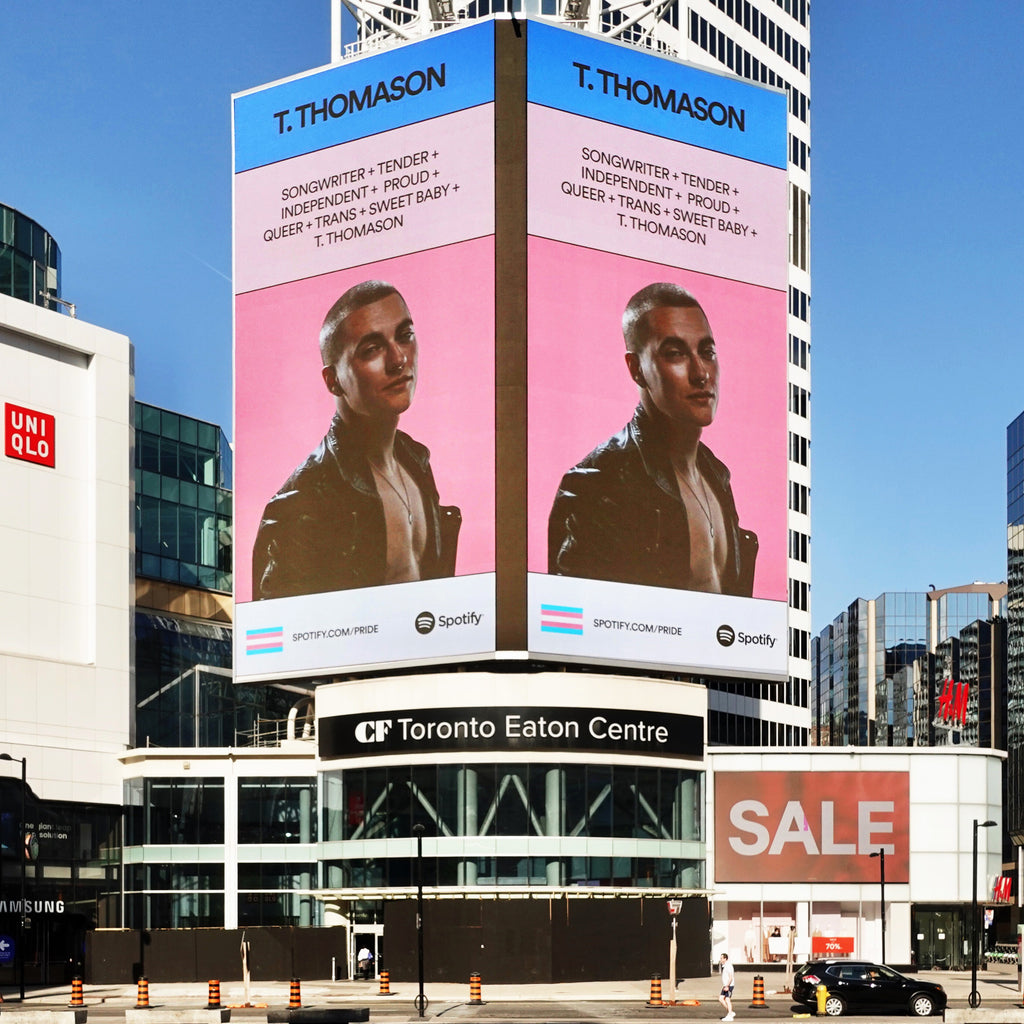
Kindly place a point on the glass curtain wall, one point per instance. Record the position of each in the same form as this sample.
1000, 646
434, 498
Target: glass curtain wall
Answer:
183, 502
29, 260
597, 804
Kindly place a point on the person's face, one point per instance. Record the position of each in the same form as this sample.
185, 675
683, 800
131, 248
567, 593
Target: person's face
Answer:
375, 372
677, 365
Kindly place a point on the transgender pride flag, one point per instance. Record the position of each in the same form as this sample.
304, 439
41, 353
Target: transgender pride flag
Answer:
268, 640
561, 618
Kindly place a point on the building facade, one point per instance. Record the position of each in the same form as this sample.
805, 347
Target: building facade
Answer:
761, 41
923, 668
1015, 631
66, 675
29, 260
306, 835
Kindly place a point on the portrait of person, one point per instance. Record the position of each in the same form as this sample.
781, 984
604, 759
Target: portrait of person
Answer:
653, 505
363, 509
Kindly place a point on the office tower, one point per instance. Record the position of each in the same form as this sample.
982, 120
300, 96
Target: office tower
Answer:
923, 668
762, 41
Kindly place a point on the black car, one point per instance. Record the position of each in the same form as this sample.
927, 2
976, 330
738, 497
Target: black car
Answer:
866, 986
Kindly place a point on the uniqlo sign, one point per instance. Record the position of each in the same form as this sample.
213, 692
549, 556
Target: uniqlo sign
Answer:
811, 826
29, 435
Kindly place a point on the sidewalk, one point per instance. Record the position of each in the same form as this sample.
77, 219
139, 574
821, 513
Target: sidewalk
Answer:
997, 985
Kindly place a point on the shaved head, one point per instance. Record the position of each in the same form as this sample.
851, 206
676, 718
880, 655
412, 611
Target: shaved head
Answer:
363, 294
654, 296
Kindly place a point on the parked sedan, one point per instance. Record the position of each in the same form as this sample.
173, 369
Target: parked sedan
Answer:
866, 986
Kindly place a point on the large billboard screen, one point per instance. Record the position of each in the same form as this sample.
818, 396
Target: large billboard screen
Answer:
364, 362
657, 435
811, 826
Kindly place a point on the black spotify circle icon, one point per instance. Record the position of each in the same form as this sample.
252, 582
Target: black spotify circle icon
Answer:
726, 635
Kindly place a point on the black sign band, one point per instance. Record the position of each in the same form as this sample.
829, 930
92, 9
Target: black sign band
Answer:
586, 730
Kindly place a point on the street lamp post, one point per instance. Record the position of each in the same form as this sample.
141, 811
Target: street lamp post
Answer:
418, 830
22, 853
974, 999
880, 853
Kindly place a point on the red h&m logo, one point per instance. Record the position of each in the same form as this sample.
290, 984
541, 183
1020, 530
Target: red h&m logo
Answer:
953, 702
29, 435
1003, 890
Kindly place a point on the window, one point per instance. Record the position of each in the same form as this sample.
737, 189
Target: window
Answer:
277, 810
174, 811
798, 497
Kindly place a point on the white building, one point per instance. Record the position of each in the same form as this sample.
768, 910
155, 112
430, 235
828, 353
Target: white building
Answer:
66, 605
790, 843
66, 589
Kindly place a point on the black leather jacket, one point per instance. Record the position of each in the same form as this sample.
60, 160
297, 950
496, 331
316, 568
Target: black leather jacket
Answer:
324, 530
618, 516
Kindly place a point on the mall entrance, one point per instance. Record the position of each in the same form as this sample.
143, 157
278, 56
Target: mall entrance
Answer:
940, 936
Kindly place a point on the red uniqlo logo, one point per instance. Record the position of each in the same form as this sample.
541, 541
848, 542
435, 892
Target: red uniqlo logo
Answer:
29, 435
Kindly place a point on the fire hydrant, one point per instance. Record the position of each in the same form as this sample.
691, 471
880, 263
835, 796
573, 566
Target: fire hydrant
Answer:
821, 994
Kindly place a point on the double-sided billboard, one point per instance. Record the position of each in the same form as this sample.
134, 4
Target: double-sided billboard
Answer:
510, 340
364, 362
657, 361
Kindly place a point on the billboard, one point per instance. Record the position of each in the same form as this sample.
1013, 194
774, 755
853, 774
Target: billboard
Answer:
657, 269
364, 362
375, 422
811, 826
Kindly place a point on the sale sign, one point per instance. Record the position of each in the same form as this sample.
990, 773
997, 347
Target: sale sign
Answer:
29, 435
831, 945
811, 826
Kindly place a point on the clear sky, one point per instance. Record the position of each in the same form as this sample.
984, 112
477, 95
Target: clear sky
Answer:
115, 135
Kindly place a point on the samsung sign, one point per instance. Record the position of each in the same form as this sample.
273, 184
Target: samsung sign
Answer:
435, 730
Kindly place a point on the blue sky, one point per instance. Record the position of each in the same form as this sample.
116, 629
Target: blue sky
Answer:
115, 131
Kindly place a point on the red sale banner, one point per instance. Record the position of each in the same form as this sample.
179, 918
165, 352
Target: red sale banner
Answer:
831, 945
811, 826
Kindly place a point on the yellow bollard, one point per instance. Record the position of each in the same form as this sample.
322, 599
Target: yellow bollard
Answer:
821, 994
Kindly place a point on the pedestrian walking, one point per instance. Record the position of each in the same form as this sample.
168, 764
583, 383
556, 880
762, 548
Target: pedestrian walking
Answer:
728, 984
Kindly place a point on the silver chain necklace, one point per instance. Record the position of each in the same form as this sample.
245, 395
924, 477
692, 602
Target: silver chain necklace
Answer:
700, 504
401, 476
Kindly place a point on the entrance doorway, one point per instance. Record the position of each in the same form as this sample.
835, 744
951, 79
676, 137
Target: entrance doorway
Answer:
939, 937
365, 937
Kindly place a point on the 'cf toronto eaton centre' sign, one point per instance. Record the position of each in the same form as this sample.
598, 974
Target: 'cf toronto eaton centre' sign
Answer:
433, 730
811, 826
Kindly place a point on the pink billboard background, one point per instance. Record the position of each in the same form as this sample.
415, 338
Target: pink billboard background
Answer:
283, 409
580, 392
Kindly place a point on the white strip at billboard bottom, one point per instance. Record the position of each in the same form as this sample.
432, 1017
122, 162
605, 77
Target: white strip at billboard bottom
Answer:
594, 620
403, 622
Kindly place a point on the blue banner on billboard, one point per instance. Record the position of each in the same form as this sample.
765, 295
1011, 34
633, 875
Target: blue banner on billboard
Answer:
583, 74
448, 72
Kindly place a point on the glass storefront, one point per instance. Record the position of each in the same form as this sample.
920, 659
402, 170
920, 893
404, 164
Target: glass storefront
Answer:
71, 856
610, 825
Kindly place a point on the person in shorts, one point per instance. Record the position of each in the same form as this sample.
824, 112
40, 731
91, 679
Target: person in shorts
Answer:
728, 984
